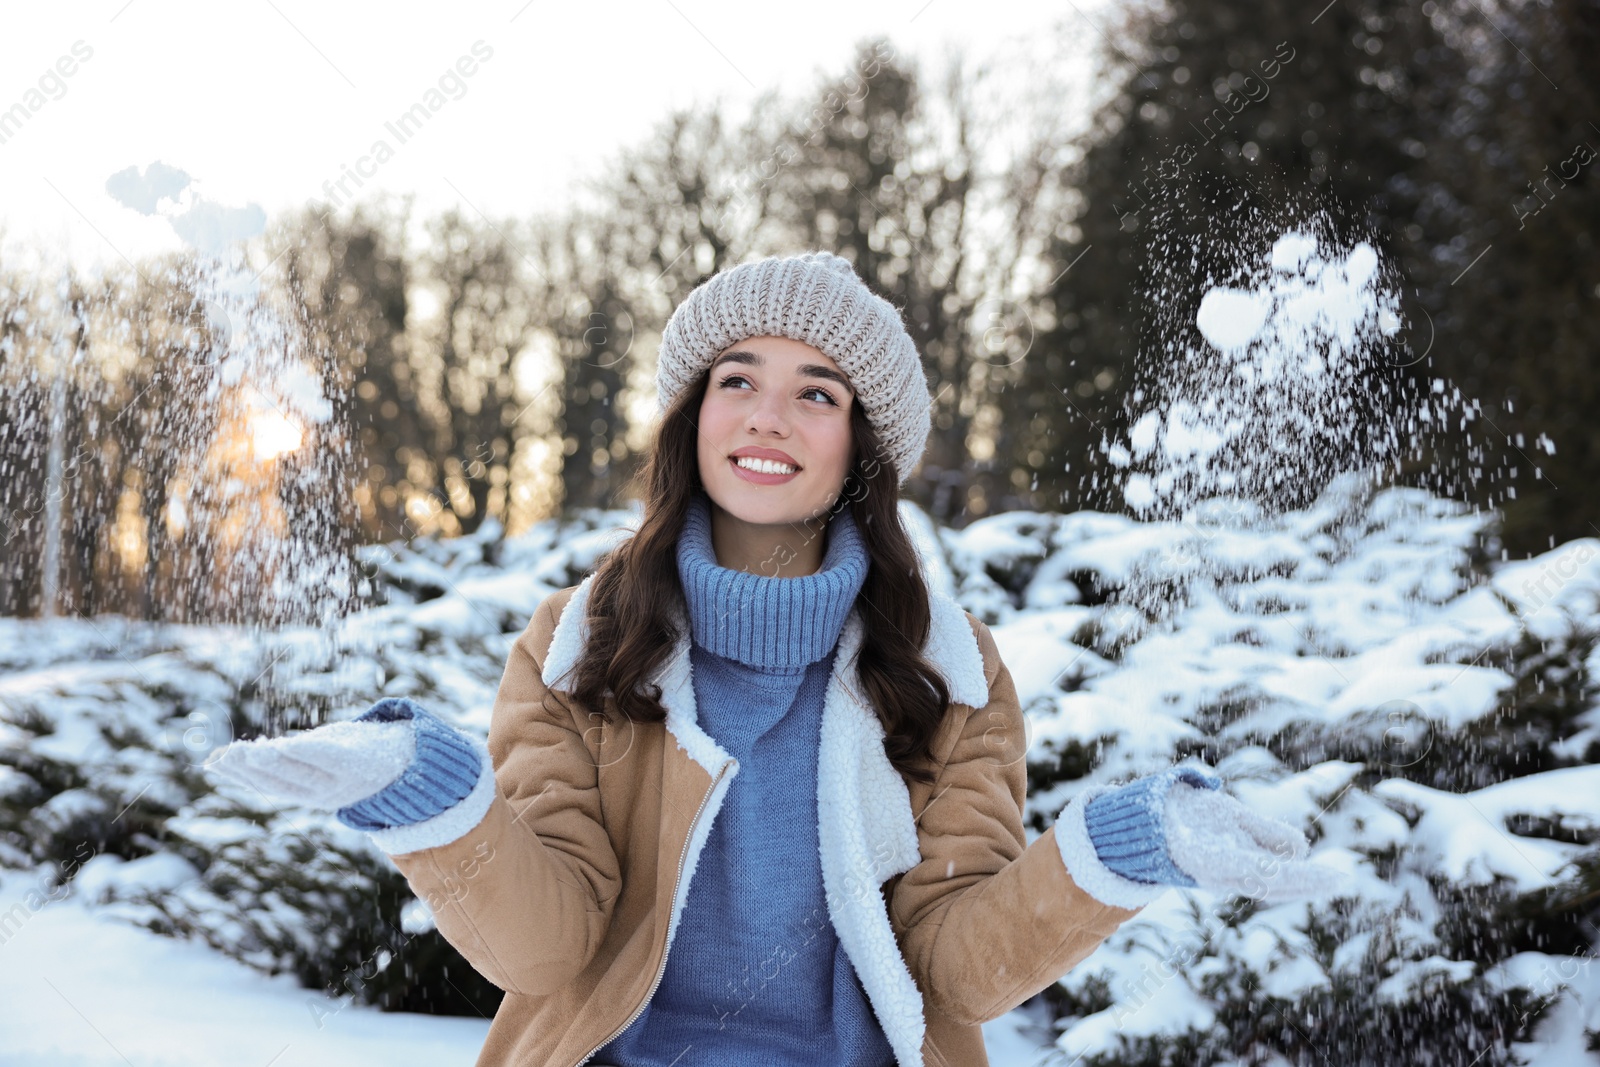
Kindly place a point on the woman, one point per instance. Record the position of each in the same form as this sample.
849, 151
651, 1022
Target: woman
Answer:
752, 793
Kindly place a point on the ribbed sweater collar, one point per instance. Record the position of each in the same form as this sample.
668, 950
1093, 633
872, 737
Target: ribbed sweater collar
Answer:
761, 621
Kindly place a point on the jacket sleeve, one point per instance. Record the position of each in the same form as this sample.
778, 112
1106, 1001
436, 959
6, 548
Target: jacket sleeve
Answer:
985, 920
525, 893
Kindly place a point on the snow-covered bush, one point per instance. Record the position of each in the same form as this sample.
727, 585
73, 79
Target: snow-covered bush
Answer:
1360, 670
1363, 669
105, 725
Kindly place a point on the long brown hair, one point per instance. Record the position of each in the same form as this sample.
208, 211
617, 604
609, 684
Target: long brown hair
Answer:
636, 590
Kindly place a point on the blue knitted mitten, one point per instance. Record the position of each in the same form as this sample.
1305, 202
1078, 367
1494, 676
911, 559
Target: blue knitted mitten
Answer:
1128, 827
442, 772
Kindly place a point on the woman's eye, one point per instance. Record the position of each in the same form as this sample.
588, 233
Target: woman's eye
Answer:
827, 396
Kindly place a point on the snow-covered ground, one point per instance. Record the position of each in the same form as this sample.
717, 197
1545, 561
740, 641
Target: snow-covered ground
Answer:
78, 989
1427, 716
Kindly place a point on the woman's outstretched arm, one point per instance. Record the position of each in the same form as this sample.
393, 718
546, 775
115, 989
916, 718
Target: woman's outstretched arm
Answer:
527, 909
986, 920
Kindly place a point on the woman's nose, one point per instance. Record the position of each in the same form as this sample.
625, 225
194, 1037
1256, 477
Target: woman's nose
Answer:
770, 415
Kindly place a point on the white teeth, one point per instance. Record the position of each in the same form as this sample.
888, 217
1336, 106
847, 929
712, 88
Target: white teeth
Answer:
765, 466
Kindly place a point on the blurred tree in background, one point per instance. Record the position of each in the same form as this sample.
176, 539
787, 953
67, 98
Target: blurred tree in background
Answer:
1519, 151
350, 278
1428, 129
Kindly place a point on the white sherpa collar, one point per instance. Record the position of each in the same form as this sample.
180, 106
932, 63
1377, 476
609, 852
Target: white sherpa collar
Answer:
866, 835
865, 828
569, 638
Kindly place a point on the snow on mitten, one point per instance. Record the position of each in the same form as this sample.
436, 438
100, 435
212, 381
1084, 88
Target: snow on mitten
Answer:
325, 768
1124, 845
1232, 849
396, 765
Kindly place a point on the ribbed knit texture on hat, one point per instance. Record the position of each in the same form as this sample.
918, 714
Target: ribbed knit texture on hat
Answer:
1128, 826
442, 772
779, 623
816, 298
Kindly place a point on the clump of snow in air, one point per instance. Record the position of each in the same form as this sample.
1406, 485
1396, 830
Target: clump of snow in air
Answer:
1258, 388
1284, 363
1231, 318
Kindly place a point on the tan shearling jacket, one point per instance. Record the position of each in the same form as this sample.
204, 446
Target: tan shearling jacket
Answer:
562, 877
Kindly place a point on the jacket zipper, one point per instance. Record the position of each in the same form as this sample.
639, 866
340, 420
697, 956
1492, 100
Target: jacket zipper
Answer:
662, 970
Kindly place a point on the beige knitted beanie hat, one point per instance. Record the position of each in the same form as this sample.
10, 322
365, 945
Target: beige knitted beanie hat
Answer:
818, 299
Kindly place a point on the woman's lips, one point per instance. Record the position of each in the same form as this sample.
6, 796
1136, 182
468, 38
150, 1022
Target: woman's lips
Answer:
774, 455
760, 477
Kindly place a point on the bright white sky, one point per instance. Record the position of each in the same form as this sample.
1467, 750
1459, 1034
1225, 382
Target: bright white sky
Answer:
264, 101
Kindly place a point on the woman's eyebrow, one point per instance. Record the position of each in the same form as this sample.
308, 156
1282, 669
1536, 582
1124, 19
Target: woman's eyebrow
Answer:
810, 370
816, 371
738, 355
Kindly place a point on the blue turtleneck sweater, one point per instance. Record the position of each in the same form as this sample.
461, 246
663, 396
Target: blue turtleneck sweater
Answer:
756, 974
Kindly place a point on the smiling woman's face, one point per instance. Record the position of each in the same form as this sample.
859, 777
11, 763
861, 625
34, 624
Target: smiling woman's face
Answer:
784, 401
